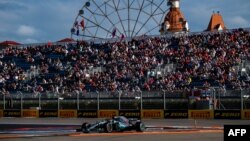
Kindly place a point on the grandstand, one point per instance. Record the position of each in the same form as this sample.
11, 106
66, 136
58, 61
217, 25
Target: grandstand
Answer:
151, 64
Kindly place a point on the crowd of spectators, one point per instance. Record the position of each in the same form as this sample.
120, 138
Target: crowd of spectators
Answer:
211, 59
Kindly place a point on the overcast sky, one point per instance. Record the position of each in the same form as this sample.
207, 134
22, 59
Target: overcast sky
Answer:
35, 21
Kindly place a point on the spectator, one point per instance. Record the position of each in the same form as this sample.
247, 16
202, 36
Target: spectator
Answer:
209, 59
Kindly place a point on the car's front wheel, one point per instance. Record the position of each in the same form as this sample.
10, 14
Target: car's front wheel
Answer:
84, 127
140, 127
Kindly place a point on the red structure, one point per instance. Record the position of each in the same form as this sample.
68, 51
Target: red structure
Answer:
8, 44
216, 23
174, 20
66, 40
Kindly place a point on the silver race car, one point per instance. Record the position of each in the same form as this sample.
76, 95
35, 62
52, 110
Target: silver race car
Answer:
116, 124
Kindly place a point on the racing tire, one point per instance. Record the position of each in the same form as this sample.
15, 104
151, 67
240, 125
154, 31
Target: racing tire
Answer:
84, 127
140, 127
108, 128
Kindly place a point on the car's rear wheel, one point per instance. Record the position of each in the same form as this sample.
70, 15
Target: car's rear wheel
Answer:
140, 127
84, 128
108, 127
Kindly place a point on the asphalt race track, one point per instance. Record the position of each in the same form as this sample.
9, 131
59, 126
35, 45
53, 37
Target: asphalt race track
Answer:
54, 129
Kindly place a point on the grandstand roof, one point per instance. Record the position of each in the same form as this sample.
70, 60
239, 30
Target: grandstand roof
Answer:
8, 43
216, 22
66, 40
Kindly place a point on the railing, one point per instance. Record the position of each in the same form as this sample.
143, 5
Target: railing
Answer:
212, 98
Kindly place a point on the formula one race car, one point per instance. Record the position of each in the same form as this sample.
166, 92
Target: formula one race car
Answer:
116, 124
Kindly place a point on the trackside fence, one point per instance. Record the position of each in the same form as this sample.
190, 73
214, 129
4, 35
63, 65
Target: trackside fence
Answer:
198, 103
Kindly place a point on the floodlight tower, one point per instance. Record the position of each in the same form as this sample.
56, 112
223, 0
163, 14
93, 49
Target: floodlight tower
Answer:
174, 20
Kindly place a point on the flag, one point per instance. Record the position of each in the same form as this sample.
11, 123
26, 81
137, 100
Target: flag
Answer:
49, 43
113, 32
122, 37
82, 24
76, 24
77, 32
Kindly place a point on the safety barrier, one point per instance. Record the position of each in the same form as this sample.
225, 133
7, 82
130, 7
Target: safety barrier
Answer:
153, 114
48, 113
227, 114
12, 113
107, 113
245, 114
200, 114
175, 114
87, 114
67, 113
30, 113
1, 113
130, 113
